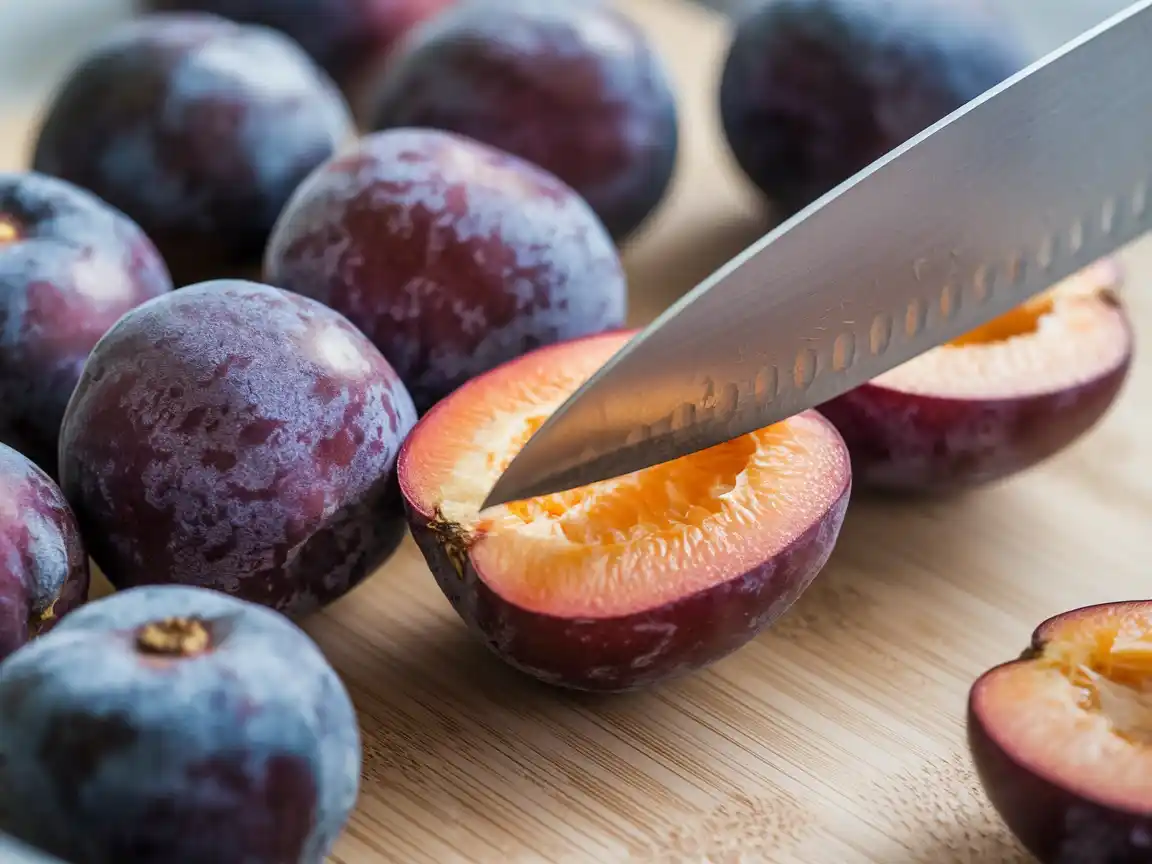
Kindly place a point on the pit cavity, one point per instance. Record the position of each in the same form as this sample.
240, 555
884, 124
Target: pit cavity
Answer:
656, 500
174, 637
1110, 666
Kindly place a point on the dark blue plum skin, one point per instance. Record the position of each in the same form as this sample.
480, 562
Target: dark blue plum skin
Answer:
347, 38
451, 256
197, 128
574, 87
814, 91
230, 435
109, 754
43, 567
70, 266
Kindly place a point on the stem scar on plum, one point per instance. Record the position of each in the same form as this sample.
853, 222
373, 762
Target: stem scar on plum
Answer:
1032, 652
454, 540
1109, 296
48, 614
174, 637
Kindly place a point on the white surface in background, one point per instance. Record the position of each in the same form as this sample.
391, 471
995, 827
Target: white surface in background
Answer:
40, 39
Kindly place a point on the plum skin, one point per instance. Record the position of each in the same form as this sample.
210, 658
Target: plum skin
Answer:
43, 567
234, 436
573, 87
109, 753
1053, 823
451, 256
71, 266
814, 91
348, 40
198, 129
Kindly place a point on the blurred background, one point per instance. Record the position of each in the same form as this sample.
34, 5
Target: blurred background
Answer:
40, 38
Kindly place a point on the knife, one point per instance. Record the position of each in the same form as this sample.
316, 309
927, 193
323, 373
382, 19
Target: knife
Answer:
1006, 196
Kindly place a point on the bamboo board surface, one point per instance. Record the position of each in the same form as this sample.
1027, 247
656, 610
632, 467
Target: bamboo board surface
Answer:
835, 737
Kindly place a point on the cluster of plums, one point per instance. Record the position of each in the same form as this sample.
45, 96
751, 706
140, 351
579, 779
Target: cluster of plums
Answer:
243, 346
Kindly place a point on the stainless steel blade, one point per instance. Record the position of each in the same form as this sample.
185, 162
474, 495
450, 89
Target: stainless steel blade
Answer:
1020, 188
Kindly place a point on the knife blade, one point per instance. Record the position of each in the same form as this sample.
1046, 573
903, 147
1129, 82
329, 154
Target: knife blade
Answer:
1020, 188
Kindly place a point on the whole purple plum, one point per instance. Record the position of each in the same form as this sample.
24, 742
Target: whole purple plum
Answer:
199, 129
347, 38
573, 87
238, 437
177, 725
452, 256
43, 566
70, 265
814, 91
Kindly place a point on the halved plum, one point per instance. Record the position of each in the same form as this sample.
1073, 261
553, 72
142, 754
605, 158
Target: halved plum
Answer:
626, 582
1062, 737
997, 400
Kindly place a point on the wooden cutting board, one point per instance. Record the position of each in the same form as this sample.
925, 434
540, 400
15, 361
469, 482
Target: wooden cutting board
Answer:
837, 736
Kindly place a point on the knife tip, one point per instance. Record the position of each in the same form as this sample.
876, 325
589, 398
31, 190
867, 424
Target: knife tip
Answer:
505, 490
523, 479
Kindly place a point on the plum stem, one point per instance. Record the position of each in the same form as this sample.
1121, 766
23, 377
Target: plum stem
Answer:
174, 637
37, 620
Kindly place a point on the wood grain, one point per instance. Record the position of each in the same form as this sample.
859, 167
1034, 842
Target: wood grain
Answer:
836, 737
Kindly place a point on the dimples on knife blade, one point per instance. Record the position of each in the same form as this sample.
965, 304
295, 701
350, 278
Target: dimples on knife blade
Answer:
1017, 190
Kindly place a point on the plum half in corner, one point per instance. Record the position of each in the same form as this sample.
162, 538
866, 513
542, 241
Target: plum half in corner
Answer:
1062, 737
